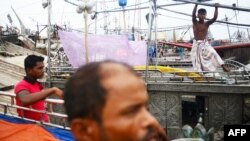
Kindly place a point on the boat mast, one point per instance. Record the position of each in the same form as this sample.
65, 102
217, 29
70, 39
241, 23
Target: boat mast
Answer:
150, 22
49, 43
85, 7
155, 26
124, 20
228, 29
23, 28
86, 34
96, 18
123, 3
139, 21
248, 34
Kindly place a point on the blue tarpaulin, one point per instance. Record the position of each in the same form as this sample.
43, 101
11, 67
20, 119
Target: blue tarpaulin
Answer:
58, 133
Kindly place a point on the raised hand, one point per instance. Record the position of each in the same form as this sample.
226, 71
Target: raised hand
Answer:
216, 4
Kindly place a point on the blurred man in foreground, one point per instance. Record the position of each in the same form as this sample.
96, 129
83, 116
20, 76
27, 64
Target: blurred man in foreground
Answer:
107, 101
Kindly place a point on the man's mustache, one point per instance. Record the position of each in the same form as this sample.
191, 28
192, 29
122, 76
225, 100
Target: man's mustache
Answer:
156, 132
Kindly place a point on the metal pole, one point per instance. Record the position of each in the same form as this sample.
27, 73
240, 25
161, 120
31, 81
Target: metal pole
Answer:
139, 20
105, 18
124, 20
228, 29
71, 2
37, 34
213, 4
156, 43
148, 40
218, 21
49, 43
248, 34
236, 17
139, 8
96, 19
86, 36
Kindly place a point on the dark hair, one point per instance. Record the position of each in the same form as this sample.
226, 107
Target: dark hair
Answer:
31, 60
84, 96
202, 10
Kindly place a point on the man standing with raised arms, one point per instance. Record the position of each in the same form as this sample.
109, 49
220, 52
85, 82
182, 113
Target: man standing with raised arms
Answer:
204, 57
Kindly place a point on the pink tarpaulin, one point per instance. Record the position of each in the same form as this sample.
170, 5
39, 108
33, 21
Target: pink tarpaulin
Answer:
101, 47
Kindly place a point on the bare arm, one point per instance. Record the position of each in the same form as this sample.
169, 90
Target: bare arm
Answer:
215, 15
194, 14
27, 99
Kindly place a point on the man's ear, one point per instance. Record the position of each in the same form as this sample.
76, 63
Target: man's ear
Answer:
85, 129
27, 70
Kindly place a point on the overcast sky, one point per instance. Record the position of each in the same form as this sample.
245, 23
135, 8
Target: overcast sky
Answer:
31, 12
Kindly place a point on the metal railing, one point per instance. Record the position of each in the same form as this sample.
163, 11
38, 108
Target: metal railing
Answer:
239, 74
6, 105
217, 77
61, 73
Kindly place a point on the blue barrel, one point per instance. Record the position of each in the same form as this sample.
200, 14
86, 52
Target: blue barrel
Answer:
122, 3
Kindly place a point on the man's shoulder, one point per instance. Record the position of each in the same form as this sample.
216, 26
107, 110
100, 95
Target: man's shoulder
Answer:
22, 82
21, 85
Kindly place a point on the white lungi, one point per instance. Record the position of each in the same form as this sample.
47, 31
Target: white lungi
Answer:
204, 57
